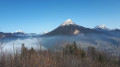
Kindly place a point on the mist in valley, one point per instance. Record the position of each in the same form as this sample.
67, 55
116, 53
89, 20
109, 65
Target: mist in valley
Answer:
102, 42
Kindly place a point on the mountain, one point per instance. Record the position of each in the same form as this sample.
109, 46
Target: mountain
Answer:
4, 35
111, 32
102, 28
115, 30
70, 28
100, 37
18, 33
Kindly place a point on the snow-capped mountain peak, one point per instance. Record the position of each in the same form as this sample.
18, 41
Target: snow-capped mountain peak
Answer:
101, 26
45, 32
67, 22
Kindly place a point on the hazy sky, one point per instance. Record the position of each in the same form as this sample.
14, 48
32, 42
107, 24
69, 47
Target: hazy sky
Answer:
35, 16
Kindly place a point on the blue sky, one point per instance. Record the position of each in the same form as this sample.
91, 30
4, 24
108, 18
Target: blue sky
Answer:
36, 16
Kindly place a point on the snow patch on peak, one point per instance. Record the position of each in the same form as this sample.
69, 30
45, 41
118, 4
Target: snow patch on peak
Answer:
67, 22
44, 32
18, 31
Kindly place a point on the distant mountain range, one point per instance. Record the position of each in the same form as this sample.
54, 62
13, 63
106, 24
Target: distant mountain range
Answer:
67, 28
18, 33
100, 37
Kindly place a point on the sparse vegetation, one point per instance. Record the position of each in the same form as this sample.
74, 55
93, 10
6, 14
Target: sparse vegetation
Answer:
70, 56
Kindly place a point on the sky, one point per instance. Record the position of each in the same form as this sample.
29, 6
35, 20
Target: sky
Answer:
36, 16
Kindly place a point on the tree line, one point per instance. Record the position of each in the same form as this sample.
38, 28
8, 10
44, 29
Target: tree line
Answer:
70, 56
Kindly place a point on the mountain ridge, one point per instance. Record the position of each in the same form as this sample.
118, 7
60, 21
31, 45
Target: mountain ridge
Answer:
68, 28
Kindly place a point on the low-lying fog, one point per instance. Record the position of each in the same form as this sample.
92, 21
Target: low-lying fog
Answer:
17, 43
101, 42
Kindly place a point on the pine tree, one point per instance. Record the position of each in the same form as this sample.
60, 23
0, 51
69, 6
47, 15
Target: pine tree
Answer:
83, 54
70, 48
24, 50
101, 58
